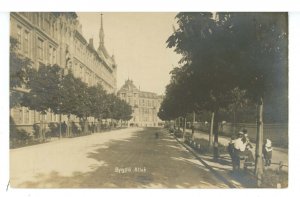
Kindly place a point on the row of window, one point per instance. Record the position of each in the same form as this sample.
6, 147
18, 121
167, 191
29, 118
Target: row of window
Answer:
25, 42
144, 119
23, 39
44, 20
23, 115
89, 59
142, 102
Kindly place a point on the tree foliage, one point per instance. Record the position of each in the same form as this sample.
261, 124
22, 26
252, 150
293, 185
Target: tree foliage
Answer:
44, 89
19, 67
50, 89
223, 52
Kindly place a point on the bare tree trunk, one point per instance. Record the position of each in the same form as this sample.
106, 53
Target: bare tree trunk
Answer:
234, 122
68, 129
99, 125
184, 124
60, 126
184, 127
259, 143
211, 130
216, 135
193, 117
85, 126
41, 128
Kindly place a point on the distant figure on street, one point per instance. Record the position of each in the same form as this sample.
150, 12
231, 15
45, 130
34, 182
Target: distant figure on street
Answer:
230, 148
267, 152
248, 152
193, 130
156, 135
246, 138
64, 127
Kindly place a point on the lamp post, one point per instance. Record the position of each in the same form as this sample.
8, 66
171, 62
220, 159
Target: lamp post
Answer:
59, 121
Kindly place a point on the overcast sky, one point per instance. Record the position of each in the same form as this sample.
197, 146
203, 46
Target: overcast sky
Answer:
138, 41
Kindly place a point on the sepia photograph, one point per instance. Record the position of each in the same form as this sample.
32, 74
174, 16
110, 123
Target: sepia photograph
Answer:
158, 100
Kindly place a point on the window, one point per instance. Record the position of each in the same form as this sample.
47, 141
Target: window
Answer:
52, 117
20, 116
81, 72
42, 21
41, 117
50, 55
54, 56
47, 23
26, 42
19, 36
26, 116
38, 19
75, 69
40, 48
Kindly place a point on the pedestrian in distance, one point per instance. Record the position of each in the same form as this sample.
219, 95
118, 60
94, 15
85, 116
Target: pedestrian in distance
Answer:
248, 153
193, 131
64, 127
230, 149
267, 152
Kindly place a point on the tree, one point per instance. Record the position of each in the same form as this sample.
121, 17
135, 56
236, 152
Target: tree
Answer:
233, 50
19, 68
204, 46
239, 101
43, 92
68, 97
82, 102
98, 102
119, 109
263, 63
179, 100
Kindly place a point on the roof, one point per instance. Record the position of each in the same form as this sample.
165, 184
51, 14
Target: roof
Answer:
128, 87
148, 95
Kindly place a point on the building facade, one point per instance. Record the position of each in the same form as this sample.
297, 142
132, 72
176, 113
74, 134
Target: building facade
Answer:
145, 105
56, 38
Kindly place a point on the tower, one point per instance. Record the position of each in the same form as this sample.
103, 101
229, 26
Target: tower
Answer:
101, 33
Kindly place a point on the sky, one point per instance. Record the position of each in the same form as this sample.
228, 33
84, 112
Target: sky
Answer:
138, 41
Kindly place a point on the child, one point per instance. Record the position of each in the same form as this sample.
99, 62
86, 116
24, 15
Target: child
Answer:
267, 152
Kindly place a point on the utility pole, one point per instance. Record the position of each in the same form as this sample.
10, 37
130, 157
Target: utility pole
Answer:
259, 143
193, 117
211, 130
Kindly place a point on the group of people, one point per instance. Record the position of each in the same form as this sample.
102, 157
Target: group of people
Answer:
240, 149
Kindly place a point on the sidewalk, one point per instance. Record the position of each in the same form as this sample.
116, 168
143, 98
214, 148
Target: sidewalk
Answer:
279, 154
222, 169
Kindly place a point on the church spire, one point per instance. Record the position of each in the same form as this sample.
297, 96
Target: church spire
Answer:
101, 33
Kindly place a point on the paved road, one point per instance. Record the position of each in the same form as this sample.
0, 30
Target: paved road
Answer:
128, 158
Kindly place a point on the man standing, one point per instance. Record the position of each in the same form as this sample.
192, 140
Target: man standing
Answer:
239, 148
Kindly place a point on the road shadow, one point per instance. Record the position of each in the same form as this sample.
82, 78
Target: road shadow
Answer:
141, 161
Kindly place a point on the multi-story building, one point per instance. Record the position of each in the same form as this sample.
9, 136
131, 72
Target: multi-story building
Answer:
145, 105
56, 38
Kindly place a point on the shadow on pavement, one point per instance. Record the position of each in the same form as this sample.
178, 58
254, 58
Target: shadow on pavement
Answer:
141, 161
